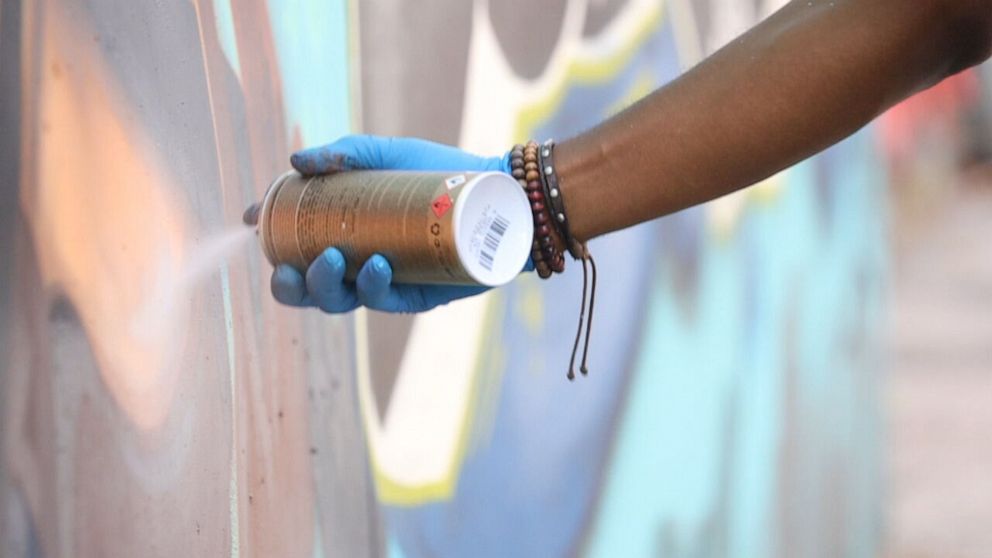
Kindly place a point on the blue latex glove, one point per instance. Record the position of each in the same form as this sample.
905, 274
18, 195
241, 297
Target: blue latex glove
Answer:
324, 285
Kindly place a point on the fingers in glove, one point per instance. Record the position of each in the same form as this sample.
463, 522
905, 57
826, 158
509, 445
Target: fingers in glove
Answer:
326, 286
375, 288
288, 286
390, 153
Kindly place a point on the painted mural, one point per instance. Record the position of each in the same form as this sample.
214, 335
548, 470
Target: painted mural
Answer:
157, 402
699, 434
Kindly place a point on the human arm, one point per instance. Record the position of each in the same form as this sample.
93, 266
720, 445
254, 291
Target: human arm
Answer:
805, 78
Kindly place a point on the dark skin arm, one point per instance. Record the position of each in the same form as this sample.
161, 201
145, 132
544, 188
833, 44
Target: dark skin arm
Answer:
805, 78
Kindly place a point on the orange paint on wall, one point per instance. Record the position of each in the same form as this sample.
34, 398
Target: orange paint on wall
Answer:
105, 228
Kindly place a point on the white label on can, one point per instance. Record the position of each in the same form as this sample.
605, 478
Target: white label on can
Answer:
497, 228
494, 227
487, 235
455, 181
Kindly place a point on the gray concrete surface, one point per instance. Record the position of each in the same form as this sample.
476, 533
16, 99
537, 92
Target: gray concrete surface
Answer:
939, 389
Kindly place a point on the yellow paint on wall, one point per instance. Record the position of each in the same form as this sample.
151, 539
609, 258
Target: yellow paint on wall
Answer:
584, 72
397, 494
642, 86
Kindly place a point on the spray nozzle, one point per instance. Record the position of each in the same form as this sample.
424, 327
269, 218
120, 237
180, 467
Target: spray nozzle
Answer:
250, 216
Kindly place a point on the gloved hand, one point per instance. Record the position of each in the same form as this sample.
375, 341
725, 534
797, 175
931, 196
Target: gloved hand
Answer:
324, 285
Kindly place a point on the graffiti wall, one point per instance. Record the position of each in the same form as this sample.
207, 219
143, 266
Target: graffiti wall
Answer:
157, 402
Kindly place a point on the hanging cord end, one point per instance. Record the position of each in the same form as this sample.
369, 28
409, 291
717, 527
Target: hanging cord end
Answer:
592, 306
582, 316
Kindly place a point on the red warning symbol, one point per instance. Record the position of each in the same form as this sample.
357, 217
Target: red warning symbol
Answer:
441, 205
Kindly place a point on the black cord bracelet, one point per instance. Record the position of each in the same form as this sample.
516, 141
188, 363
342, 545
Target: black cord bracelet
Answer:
559, 216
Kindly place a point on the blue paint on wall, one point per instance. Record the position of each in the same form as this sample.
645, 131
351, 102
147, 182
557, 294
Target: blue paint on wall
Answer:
699, 462
311, 40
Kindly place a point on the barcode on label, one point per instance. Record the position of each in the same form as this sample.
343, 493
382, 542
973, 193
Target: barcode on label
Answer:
489, 246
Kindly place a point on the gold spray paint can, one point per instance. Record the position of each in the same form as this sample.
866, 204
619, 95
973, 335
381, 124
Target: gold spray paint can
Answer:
457, 228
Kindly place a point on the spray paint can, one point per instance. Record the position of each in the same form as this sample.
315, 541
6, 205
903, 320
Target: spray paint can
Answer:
457, 228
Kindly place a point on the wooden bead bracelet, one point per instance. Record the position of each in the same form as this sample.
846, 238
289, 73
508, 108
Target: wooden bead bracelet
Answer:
524, 167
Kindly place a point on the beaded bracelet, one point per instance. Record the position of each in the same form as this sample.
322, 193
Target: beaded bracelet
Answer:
517, 170
524, 168
542, 217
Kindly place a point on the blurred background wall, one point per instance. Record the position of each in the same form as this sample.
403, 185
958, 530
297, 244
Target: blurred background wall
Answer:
157, 402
